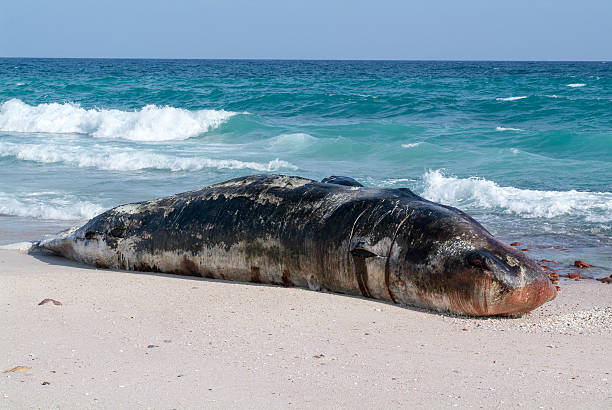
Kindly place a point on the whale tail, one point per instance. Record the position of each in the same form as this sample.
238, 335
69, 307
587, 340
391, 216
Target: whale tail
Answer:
54, 244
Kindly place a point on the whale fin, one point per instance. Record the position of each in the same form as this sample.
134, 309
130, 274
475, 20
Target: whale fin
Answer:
339, 180
362, 253
359, 249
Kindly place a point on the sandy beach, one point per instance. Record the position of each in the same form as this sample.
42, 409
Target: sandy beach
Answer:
142, 340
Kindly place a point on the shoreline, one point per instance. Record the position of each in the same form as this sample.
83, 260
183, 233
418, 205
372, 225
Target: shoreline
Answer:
131, 339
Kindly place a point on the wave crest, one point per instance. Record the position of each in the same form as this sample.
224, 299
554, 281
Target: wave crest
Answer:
292, 141
130, 159
511, 98
150, 123
507, 129
481, 193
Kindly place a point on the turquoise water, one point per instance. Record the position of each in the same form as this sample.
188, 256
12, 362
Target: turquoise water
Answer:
524, 147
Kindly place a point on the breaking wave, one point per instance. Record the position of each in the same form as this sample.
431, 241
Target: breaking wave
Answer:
45, 207
129, 159
484, 194
150, 123
576, 85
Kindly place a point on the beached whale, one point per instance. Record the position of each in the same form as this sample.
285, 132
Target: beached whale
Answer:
337, 235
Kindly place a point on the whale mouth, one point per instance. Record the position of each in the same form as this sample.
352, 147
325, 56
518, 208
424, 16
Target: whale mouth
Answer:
524, 299
502, 289
498, 299
490, 299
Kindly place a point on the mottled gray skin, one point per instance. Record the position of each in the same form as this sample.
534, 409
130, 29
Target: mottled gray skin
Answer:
388, 244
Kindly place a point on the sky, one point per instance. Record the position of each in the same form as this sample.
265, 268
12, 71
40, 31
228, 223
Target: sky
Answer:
309, 29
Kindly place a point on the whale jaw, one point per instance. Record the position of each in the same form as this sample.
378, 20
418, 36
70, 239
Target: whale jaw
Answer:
524, 299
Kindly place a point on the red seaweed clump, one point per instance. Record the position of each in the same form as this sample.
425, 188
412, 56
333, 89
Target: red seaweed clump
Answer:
582, 264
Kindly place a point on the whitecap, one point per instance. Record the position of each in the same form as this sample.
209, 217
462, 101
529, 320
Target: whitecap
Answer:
55, 208
411, 145
150, 123
528, 203
507, 129
575, 85
126, 159
511, 98
19, 83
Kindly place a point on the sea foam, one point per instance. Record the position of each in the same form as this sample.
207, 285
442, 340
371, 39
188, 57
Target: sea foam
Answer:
150, 123
127, 159
507, 129
520, 97
63, 208
576, 85
485, 194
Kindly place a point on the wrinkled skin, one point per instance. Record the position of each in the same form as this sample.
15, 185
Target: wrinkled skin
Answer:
388, 244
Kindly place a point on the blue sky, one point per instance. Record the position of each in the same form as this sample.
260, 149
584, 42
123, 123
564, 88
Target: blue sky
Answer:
314, 29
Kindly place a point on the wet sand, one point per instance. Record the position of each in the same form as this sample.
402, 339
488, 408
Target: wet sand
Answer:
138, 340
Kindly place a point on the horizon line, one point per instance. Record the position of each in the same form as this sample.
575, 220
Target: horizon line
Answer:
308, 59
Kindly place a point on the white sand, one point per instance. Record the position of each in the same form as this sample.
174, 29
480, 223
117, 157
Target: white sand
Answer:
137, 340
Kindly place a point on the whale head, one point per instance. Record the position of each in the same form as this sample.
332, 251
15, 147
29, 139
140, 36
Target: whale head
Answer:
443, 259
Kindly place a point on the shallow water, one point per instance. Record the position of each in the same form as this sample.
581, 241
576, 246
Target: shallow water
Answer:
525, 148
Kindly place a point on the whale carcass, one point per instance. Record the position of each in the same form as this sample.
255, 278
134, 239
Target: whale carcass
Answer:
388, 244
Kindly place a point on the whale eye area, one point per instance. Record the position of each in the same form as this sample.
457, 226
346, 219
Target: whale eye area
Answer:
478, 260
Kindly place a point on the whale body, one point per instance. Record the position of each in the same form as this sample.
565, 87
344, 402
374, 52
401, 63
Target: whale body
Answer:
337, 235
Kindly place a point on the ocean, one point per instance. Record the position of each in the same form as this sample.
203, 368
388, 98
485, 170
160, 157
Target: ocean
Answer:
523, 147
